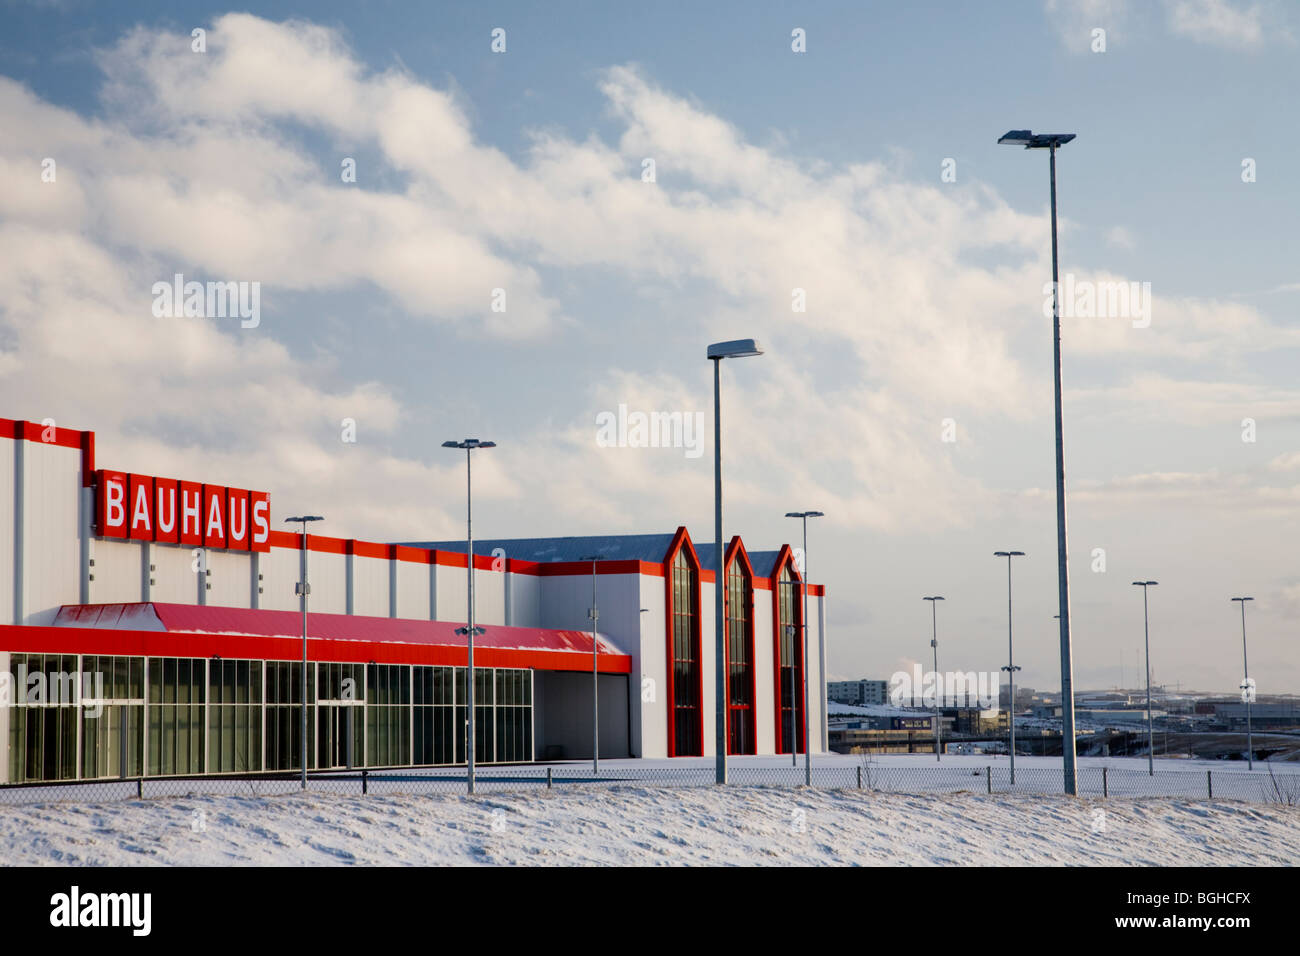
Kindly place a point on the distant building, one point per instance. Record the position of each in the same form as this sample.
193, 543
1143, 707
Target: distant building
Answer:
859, 693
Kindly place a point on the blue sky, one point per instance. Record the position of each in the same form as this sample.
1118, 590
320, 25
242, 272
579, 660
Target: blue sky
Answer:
775, 170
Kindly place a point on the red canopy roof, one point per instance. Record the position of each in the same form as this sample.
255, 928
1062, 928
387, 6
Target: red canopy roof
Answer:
202, 631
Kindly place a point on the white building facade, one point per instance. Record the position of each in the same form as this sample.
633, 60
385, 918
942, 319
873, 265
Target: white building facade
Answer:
174, 594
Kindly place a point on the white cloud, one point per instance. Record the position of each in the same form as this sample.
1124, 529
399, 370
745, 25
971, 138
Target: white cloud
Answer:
1225, 23
198, 164
1121, 238
1075, 21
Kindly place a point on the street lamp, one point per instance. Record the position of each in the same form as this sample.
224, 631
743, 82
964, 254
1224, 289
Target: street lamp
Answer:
803, 574
1146, 638
594, 614
934, 643
302, 590
1246, 691
1011, 667
469, 630
737, 348
1051, 142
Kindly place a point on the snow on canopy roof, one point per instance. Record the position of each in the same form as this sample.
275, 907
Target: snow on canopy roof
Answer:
622, 547
200, 619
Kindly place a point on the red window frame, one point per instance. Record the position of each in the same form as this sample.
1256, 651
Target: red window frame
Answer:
786, 560
681, 544
741, 717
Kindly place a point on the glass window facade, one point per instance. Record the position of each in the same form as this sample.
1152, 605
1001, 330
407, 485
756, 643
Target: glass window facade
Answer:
790, 660
685, 715
388, 713
284, 715
112, 716
177, 701
234, 716
43, 717
88, 717
740, 660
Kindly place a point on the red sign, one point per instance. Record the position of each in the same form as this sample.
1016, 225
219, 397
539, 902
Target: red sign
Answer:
181, 512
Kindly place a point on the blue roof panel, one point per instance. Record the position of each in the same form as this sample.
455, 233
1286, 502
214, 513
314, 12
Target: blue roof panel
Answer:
614, 547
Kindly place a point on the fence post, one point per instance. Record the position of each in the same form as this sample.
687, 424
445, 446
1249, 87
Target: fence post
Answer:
139, 787
988, 778
549, 782
1209, 784
1105, 790
365, 781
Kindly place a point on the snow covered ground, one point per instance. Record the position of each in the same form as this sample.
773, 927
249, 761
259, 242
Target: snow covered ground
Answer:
635, 825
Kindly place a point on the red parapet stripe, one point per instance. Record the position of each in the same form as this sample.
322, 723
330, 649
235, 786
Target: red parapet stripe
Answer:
366, 549
404, 552
39, 434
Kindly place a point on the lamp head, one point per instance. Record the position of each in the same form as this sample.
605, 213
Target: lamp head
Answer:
736, 348
1031, 140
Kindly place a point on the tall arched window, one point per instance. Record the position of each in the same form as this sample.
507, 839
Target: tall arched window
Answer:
685, 732
740, 657
789, 657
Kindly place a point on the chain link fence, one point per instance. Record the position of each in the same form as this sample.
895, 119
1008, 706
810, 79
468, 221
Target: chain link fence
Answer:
1281, 788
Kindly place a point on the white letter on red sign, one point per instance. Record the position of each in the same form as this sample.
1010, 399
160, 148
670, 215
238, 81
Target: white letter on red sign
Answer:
261, 523
116, 493
140, 515
166, 520
238, 537
216, 530
188, 513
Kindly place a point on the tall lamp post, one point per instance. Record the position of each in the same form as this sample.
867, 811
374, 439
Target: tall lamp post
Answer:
469, 630
934, 644
1146, 640
803, 574
737, 348
594, 614
1246, 691
302, 590
1052, 142
1011, 667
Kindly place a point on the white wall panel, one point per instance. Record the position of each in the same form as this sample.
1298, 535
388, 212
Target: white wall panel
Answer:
117, 573
708, 668
412, 590
327, 574
764, 663
451, 593
369, 586
650, 720
525, 598
7, 569
229, 578
51, 535
175, 581
279, 575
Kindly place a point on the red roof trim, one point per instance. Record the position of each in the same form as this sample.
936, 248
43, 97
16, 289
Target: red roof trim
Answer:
76, 640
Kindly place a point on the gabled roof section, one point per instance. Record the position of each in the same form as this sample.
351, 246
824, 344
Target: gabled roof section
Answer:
765, 563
